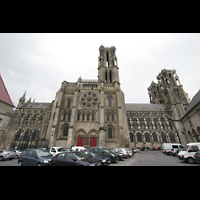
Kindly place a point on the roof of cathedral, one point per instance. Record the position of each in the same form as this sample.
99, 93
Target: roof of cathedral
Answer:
4, 96
193, 103
37, 105
144, 107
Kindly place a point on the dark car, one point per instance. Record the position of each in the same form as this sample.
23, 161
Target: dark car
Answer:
35, 157
119, 154
197, 157
105, 152
73, 159
103, 159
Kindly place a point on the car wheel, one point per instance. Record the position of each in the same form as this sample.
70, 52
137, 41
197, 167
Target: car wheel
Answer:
191, 160
39, 164
20, 163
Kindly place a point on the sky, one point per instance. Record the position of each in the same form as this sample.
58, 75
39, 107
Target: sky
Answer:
39, 62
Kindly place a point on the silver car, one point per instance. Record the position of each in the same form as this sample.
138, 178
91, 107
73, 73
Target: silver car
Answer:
123, 151
7, 155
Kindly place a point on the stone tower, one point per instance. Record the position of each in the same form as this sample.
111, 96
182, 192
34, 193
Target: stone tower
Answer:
169, 92
108, 69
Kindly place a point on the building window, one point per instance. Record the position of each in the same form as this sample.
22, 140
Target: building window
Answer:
88, 116
131, 137
172, 138
92, 116
155, 137
139, 138
147, 138
69, 116
163, 137
109, 101
113, 117
65, 132
107, 116
110, 132
78, 116
69, 103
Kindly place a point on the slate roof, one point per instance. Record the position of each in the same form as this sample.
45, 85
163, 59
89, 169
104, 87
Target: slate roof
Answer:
144, 107
193, 103
4, 96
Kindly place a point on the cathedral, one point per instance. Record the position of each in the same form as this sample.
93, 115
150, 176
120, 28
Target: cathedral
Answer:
93, 113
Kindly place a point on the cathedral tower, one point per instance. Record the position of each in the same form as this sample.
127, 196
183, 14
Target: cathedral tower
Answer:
108, 68
169, 92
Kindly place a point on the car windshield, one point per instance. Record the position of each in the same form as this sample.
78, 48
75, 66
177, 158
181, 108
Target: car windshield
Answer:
80, 155
61, 149
186, 148
43, 153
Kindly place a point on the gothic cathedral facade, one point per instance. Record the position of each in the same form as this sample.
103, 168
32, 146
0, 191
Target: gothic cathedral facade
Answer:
94, 113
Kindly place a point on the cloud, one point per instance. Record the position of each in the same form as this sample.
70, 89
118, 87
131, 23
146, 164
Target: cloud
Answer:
39, 63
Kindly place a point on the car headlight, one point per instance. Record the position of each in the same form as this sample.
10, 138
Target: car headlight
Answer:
46, 161
92, 164
103, 161
113, 155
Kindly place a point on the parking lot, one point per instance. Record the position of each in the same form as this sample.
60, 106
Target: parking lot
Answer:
144, 158
152, 158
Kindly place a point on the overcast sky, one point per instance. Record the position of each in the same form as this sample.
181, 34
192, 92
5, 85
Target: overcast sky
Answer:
40, 62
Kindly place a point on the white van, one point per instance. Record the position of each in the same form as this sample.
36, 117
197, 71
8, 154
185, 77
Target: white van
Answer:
78, 148
167, 147
187, 154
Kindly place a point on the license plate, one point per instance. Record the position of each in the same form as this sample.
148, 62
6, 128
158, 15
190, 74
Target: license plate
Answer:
12, 156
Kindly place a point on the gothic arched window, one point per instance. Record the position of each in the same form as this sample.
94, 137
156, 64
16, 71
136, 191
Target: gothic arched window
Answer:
155, 137
69, 103
109, 101
131, 137
65, 132
110, 132
139, 138
147, 138
172, 138
163, 137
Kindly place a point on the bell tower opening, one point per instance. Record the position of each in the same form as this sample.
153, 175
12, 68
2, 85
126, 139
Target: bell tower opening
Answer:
107, 60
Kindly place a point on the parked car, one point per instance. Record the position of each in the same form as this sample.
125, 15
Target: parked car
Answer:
104, 152
73, 159
137, 150
173, 151
78, 148
187, 154
119, 154
35, 157
103, 159
197, 157
7, 155
155, 148
55, 150
167, 147
123, 151
129, 152
18, 153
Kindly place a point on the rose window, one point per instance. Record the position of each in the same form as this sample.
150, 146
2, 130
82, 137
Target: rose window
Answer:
89, 100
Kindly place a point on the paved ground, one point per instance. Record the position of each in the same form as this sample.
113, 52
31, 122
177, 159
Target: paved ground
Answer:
152, 158
144, 158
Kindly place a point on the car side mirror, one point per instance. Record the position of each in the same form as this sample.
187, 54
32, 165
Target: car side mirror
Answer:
35, 157
74, 159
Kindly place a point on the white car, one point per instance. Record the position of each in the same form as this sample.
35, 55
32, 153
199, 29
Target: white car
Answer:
78, 148
123, 151
129, 152
187, 154
55, 150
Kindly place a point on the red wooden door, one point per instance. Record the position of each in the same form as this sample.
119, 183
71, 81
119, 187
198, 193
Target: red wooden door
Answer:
93, 141
82, 141
79, 141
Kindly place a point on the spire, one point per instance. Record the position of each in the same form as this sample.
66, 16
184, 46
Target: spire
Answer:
22, 100
4, 96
